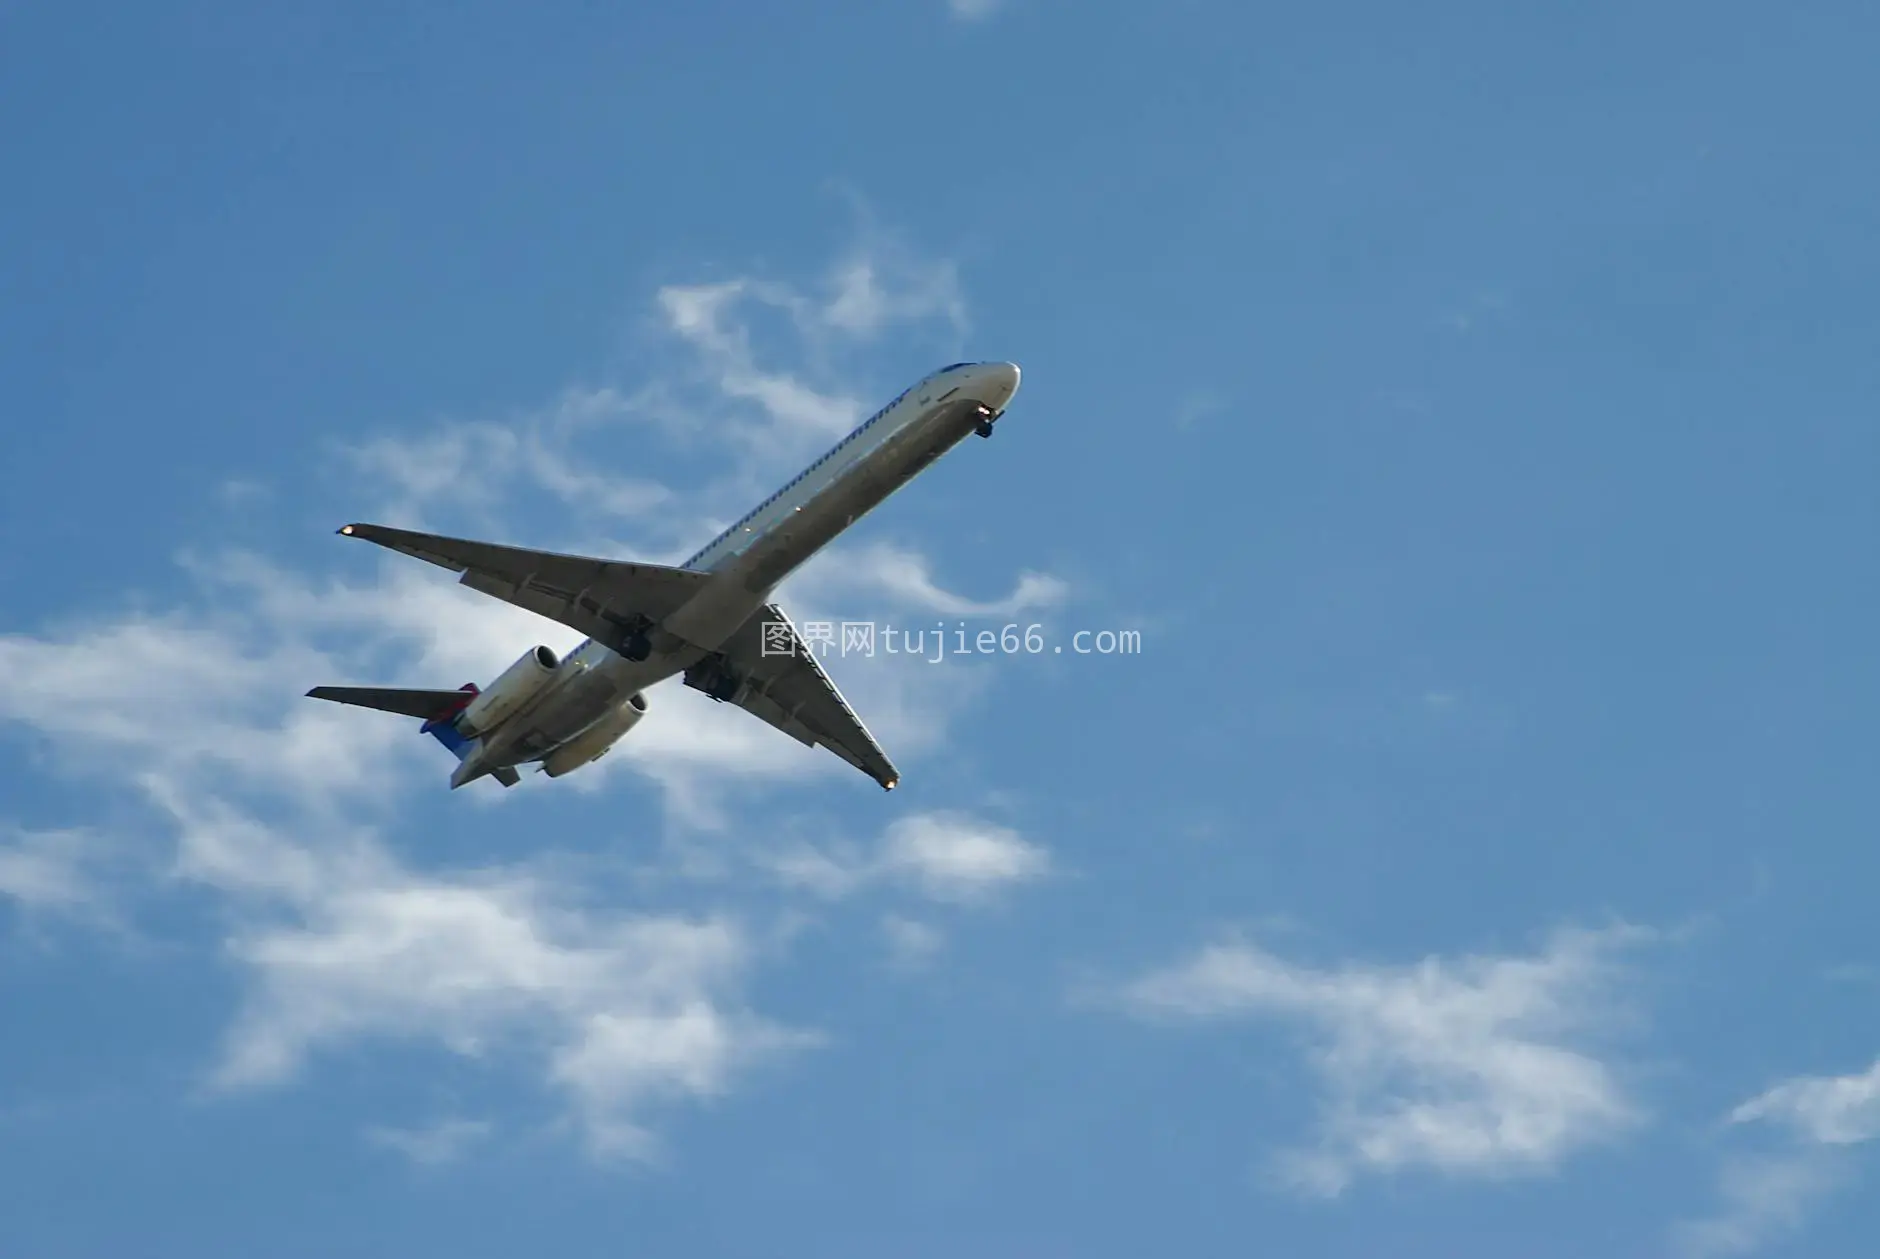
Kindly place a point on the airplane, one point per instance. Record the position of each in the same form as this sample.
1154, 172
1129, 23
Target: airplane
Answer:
711, 620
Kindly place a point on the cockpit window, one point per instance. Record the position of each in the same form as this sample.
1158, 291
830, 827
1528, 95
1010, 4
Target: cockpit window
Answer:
950, 366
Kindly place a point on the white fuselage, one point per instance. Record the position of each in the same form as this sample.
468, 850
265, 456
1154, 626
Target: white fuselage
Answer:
748, 560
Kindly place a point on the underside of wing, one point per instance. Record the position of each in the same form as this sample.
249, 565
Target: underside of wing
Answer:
787, 687
608, 600
424, 705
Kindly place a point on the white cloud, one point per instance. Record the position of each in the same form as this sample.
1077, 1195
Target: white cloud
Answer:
621, 1010
951, 856
1473, 1067
1762, 1199
433, 631
339, 941
948, 857
482, 464
881, 286
55, 872
223, 691
910, 943
1768, 1196
1827, 1110
704, 316
905, 579
819, 871
442, 1142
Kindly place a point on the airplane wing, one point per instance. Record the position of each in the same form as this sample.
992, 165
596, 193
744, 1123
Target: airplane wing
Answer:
789, 689
424, 705
604, 599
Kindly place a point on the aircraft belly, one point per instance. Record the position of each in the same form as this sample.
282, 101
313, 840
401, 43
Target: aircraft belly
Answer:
855, 495
716, 612
573, 709
806, 533
561, 718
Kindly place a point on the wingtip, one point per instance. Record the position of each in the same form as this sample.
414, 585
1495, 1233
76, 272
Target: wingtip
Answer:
346, 531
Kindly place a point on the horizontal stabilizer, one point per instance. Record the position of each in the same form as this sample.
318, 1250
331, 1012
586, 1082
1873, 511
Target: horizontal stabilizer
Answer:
424, 705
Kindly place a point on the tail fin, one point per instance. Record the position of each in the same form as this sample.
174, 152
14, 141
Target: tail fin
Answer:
436, 709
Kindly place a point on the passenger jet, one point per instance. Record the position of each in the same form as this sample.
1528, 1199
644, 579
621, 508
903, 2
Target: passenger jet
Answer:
711, 619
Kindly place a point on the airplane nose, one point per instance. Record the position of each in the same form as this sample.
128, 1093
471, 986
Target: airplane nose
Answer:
1001, 382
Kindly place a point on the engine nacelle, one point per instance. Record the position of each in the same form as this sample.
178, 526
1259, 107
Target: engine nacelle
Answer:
518, 684
592, 744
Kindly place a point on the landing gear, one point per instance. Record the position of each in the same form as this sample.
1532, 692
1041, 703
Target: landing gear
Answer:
637, 646
983, 428
714, 679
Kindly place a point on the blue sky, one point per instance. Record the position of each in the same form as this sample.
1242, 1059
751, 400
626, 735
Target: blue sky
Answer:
1471, 406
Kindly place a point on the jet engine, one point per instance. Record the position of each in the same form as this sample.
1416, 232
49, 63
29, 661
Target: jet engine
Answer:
592, 744
509, 693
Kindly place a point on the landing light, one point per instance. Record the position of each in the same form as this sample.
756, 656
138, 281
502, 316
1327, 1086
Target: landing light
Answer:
346, 529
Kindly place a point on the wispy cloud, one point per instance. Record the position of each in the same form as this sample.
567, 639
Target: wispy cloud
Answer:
434, 1144
485, 463
1770, 1195
949, 857
341, 941
882, 284
780, 413
61, 874
903, 579
954, 857
1761, 1199
195, 692
704, 317
911, 943
1825, 1110
622, 1010
1477, 1066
